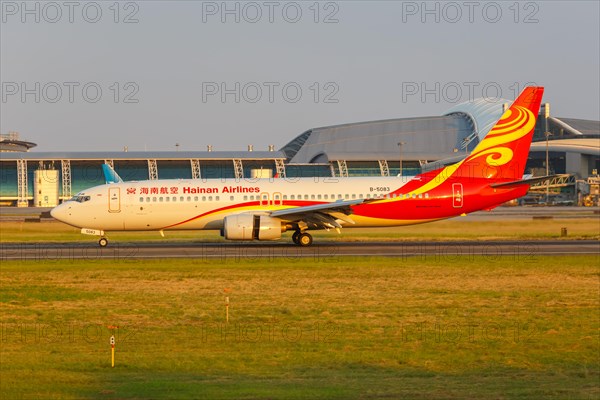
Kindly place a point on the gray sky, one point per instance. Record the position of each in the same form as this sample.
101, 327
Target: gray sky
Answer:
198, 73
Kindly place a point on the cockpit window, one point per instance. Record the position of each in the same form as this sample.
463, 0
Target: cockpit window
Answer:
80, 198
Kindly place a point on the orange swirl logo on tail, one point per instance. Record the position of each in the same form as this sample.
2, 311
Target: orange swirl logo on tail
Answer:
514, 124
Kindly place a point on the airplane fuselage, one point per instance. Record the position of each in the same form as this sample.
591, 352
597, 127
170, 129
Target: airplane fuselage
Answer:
198, 204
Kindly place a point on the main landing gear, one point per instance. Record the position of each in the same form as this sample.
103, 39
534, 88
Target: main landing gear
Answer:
103, 242
303, 239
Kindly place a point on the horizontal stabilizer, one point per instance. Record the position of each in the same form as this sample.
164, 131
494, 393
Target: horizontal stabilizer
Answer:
110, 176
529, 181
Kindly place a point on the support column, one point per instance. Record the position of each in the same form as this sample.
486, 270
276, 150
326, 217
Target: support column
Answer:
65, 166
238, 168
22, 183
195, 165
343, 168
280, 167
152, 170
383, 167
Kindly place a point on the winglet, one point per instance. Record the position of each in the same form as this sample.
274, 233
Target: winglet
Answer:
110, 176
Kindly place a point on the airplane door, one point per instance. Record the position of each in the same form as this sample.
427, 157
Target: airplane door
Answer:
264, 199
457, 195
114, 200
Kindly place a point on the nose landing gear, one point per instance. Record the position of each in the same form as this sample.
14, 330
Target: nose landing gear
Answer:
103, 242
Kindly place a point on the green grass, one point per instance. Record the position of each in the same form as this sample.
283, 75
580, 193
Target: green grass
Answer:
424, 327
455, 229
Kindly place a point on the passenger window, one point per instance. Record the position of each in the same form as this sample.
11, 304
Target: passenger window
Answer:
285, 196
347, 196
305, 197
230, 198
209, 198
195, 198
160, 199
426, 195
245, 198
147, 199
181, 198
174, 198
360, 196
189, 198
319, 196
353, 196
292, 197
325, 196
141, 199
154, 199
167, 199
217, 198
203, 198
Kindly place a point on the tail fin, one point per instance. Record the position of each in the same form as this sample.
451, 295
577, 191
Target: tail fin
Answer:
502, 154
110, 176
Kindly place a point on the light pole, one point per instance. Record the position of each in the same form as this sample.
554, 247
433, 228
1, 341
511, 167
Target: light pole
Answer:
547, 134
400, 144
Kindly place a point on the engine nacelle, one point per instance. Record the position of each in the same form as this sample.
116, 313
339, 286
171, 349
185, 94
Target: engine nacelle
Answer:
252, 227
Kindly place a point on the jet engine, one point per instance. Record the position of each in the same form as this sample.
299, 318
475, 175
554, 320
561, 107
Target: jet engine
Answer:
252, 227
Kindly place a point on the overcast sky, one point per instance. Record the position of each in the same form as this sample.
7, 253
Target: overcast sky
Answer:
101, 75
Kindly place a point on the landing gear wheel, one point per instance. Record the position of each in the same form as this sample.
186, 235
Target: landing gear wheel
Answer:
305, 239
295, 237
103, 242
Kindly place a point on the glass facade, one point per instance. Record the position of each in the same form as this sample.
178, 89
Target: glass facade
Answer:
536, 163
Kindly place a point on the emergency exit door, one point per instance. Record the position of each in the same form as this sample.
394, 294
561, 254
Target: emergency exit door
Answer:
457, 195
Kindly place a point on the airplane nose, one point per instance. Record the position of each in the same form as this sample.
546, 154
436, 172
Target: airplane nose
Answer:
58, 212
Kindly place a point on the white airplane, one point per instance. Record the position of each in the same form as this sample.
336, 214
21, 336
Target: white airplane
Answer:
262, 209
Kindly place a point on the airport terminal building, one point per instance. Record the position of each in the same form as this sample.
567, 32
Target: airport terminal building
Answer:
375, 148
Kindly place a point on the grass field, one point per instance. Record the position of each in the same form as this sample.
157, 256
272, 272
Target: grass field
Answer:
415, 328
455, 229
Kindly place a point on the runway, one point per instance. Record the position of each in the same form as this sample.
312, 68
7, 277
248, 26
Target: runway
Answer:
519, 250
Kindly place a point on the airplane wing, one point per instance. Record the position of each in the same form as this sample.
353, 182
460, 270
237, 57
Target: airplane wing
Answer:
530, 181
320, 216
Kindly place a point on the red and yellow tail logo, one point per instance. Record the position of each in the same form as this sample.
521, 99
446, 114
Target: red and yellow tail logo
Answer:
502, 154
